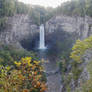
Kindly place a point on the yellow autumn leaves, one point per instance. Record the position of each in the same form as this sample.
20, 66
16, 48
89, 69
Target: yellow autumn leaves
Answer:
79, 49
28, 61
27, 77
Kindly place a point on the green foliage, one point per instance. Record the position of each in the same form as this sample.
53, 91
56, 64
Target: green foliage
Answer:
7, 7
26, 77
63, 66
37, 14
66, 79
79, 49
77, 54
76, 72
68, 89
8, 54
22, 8
40, 15
75, 7
87, 86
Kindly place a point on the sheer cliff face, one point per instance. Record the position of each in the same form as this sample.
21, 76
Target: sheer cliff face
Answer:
18, 27
82, 27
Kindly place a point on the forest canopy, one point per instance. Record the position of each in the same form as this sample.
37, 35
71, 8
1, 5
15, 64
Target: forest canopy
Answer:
76, 7
40, 14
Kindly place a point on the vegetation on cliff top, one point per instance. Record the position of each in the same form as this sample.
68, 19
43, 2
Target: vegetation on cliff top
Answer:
38, 14
75, 7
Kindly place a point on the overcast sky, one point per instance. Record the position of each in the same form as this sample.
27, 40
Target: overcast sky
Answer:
45, 3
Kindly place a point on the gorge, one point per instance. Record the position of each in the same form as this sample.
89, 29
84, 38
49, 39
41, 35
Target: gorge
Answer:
77, 25
61, 33
46, 49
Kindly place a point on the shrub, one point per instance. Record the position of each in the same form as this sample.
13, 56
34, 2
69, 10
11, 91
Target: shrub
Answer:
26, 77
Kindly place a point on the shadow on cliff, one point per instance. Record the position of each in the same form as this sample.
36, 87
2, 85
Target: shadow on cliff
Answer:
30, 43
58, 43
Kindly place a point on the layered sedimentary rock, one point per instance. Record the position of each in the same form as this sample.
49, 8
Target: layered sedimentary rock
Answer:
81, 26
18, 27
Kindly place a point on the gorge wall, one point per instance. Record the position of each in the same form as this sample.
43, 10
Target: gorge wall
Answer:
20, 27
81, 26
21, 32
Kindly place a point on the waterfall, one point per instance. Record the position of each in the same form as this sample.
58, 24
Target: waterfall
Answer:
42, 37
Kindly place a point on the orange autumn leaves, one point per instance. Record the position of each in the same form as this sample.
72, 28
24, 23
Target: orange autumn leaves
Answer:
29, 76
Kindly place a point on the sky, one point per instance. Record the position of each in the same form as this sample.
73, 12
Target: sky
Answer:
45, 3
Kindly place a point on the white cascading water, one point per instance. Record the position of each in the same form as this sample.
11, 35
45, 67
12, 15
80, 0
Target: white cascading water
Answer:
42, 37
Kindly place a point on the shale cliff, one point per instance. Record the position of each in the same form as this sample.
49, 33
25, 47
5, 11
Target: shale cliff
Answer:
20, 27
81, 26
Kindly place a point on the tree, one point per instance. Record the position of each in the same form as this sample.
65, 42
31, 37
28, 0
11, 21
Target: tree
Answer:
26, 77
8, 7
80, 48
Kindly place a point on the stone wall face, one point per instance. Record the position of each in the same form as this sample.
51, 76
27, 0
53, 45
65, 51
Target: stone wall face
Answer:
82, 27
18, 27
